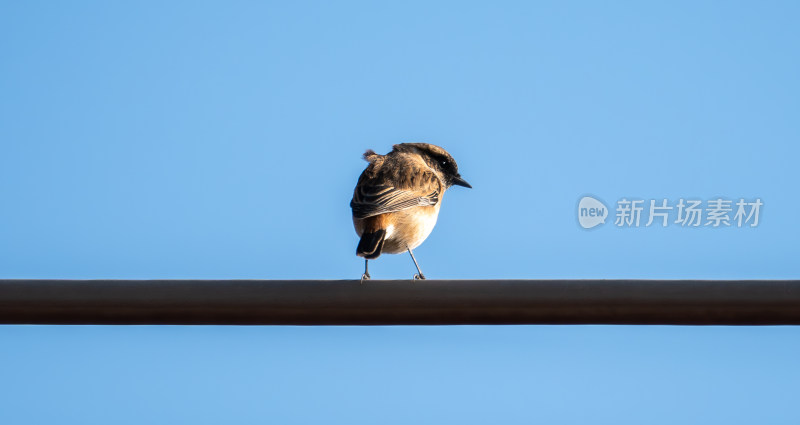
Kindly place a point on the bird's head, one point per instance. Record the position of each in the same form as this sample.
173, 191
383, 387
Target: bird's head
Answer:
438, 159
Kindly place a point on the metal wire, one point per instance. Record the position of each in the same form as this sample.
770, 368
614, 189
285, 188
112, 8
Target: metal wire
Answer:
406, 302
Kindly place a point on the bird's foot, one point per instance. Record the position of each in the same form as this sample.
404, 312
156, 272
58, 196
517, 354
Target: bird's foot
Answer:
364, 277
419, 276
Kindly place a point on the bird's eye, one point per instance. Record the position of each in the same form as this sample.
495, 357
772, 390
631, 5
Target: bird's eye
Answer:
444, 163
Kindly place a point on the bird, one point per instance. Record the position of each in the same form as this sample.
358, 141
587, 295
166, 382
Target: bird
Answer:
397, 199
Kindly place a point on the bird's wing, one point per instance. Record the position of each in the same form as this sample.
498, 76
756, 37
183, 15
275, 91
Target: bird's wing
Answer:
374, 196
373, 200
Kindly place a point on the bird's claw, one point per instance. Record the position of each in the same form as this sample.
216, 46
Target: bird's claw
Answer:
364, 277
419, 276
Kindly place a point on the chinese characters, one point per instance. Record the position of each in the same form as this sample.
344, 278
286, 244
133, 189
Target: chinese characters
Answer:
717, 212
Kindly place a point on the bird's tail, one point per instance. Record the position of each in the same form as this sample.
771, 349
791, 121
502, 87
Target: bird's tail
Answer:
371, 244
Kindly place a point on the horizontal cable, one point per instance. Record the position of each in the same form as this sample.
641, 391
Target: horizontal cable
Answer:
394, 302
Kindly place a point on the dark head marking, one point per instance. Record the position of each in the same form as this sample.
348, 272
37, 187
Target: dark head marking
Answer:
436, 158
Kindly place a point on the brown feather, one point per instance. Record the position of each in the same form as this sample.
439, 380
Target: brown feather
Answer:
398, 196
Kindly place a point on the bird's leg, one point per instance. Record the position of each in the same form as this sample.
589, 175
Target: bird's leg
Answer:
419, 274
365, 276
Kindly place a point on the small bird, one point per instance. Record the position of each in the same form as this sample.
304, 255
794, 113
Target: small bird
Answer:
397, 199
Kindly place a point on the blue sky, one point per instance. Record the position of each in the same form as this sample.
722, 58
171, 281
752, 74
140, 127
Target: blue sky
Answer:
223, 140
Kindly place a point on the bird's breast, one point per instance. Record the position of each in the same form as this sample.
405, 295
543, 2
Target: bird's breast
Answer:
409, 228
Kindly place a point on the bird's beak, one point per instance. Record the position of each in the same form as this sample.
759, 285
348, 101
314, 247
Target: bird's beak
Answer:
457, 180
